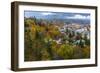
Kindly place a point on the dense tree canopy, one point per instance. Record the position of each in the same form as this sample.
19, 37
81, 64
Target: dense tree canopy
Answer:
44, 41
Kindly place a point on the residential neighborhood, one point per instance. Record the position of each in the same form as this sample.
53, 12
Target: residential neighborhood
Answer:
55, 37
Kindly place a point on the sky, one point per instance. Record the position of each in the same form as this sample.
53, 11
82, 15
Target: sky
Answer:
60, 15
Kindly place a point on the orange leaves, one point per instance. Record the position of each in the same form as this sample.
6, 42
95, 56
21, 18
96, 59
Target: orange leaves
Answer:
45, 41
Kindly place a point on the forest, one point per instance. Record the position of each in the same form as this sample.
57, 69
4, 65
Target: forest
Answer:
47, 40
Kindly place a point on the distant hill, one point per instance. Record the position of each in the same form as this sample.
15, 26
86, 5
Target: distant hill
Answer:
70, 21
66, 21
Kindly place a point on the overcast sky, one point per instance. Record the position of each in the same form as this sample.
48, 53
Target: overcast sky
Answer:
61, 15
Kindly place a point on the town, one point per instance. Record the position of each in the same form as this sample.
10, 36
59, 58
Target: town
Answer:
56, 39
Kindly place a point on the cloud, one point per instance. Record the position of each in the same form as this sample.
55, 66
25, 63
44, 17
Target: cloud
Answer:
78, 16
47, 13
